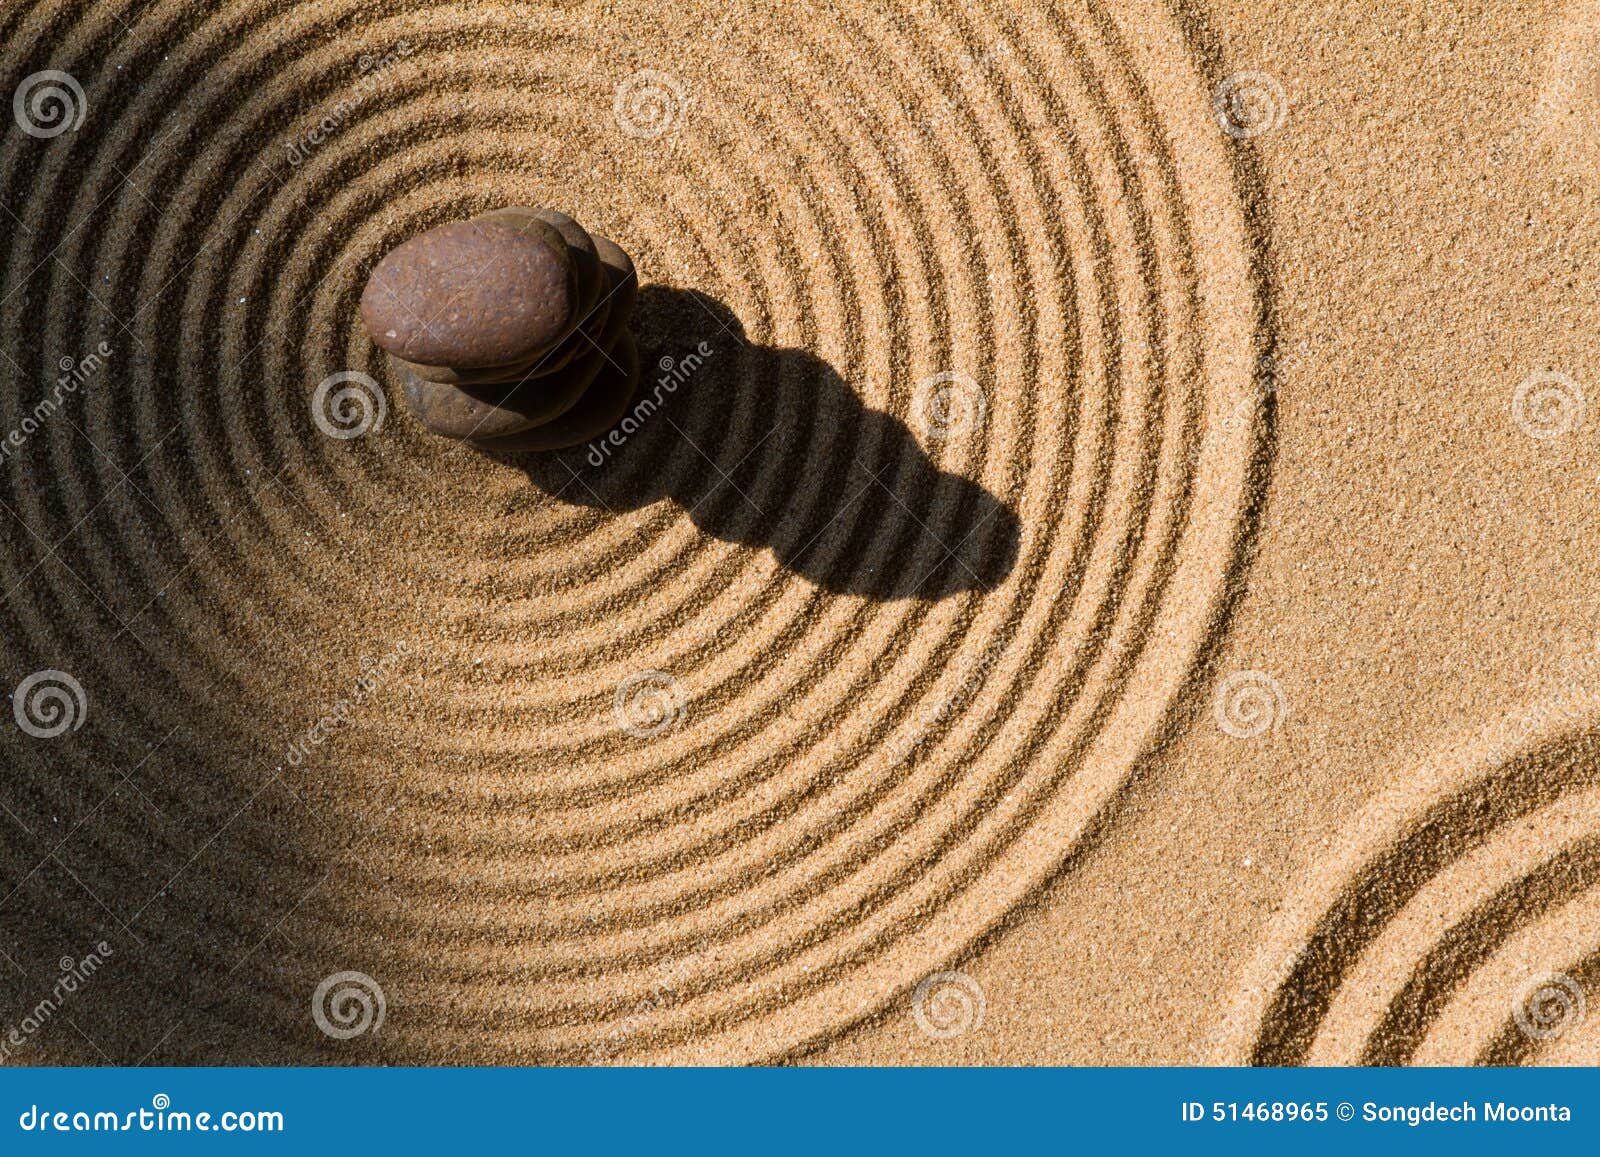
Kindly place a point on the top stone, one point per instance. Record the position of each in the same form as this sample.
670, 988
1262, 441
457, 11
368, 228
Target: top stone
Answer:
472, 294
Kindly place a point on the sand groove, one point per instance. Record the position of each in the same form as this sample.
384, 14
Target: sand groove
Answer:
1453, 916
869, 772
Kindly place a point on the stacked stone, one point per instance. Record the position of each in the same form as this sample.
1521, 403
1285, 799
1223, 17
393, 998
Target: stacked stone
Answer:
508, 330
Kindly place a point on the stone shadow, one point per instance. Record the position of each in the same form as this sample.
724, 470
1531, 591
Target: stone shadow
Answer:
770, 447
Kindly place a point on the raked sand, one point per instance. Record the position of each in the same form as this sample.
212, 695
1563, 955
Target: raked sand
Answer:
1101, 570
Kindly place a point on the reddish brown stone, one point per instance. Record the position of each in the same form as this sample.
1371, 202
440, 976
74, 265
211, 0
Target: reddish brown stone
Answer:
600, 408
471, 295
501, 372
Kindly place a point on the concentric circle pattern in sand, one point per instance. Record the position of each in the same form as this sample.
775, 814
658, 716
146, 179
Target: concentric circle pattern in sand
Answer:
845, 785
1456, 922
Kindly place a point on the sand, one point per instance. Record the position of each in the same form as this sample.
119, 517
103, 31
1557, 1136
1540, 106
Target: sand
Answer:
1101, 572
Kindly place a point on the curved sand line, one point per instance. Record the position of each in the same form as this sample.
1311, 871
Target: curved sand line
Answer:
859, 788
1450, 902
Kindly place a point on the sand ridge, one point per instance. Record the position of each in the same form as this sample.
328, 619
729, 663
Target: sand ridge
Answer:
1453, 923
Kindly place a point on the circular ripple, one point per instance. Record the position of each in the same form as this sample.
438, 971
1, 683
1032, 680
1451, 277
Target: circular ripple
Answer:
1457, 922
855, 783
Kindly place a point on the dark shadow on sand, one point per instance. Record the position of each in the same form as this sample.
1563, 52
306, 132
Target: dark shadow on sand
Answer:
770, 447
